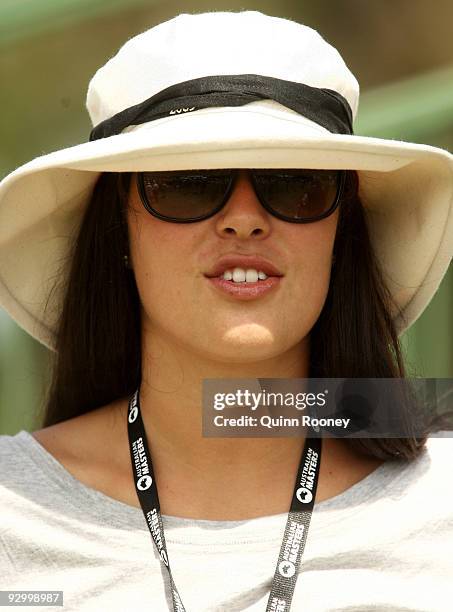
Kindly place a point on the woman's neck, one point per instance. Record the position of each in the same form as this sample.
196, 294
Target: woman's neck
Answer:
247, 484
198, 477
242, 478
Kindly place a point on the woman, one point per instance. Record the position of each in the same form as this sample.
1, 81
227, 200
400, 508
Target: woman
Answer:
210, 159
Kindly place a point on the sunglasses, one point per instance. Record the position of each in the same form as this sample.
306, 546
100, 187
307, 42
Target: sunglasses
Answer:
293, 195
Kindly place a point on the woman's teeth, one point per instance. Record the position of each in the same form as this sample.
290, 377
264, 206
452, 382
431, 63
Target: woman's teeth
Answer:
239, 275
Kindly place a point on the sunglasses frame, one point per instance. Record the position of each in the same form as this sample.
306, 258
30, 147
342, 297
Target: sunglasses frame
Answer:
229, 189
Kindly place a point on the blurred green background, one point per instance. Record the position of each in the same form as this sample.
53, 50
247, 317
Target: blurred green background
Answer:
401, 52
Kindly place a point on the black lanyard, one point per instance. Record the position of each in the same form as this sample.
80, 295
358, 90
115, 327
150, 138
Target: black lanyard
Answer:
297, 524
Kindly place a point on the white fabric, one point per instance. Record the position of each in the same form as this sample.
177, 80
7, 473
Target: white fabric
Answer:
191, 46
384, 544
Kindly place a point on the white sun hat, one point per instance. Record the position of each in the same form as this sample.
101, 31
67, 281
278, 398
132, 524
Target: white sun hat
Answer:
226, 89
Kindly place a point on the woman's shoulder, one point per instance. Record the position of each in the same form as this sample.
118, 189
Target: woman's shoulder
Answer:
439, 450
82, 440
83, 448
86, 447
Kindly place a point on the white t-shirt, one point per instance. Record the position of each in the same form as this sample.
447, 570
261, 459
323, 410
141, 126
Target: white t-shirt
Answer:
385, 544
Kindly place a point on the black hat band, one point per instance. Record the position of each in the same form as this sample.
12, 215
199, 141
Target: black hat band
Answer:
325, 107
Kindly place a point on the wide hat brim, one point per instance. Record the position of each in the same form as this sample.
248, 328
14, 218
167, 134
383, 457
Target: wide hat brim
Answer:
406, 190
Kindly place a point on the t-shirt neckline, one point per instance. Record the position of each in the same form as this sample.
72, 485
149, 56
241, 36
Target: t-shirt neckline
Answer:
122, 515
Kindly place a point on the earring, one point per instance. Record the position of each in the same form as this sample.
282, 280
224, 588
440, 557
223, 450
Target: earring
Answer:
127, 262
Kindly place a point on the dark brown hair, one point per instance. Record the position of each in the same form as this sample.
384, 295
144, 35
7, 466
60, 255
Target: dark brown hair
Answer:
98, 348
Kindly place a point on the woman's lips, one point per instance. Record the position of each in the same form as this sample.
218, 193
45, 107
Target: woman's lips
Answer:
244, 290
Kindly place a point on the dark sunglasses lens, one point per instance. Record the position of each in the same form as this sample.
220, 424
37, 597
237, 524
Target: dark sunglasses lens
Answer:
185, 194
298, 194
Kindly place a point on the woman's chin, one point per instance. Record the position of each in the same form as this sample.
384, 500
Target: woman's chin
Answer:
246, 343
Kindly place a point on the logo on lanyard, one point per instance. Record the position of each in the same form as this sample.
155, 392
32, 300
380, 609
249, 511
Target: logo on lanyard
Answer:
133, 409
304, 495
144, 482
286, 569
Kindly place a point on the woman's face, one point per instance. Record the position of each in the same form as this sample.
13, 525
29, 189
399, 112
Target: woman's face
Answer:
170, 262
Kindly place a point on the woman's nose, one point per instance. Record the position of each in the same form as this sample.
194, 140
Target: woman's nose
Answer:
243, 213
